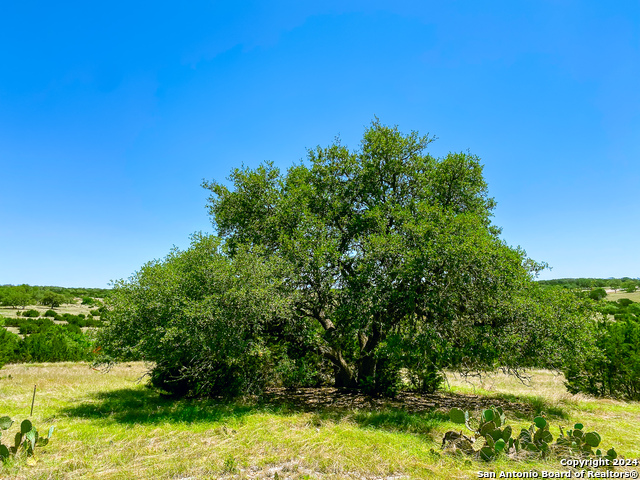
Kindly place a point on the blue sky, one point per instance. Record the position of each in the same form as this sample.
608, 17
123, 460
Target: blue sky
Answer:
111, 115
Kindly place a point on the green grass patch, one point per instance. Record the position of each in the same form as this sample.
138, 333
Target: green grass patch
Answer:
110, 426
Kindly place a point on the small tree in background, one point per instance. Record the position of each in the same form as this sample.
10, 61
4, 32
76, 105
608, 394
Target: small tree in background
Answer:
615, 284
52, 299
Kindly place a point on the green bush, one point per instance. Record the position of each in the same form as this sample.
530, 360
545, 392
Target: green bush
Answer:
613, 369
29, 327
306, 371
201, 319
31, 313
597, 294
50, 313
73, 328
80, 320
9, 346
56, 344
13, 322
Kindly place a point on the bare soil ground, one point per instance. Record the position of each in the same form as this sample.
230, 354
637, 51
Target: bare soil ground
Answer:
335, 399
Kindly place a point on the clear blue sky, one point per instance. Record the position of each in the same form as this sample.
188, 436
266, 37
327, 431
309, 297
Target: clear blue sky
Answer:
112, 113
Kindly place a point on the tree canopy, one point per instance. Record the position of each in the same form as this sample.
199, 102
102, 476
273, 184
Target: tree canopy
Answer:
387, 260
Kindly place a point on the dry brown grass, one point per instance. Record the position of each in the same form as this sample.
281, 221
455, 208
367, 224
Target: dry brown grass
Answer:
72, 308
615, 296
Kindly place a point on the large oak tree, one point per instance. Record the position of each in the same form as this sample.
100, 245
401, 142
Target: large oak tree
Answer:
381, 262
395, 257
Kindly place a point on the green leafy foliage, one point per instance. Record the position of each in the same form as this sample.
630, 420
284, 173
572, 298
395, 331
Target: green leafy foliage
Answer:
23, 295
44, 341
395, 261
373, 262
597, 294
52, 299
25, 440
613, 367
585, 283
56, 344
9, 346
205, 321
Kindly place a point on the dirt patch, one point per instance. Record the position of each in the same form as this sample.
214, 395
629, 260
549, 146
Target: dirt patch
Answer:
328, 398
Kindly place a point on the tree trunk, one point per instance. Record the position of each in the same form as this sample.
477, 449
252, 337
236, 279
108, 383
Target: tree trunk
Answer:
368, 363
343, 378
343, 374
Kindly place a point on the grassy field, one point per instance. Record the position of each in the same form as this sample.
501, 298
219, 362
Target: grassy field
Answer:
614, 296
72, 308
109, 426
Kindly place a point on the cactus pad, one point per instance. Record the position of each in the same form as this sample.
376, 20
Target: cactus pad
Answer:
592, 439
540, 422
5, 423
457, 416
25, 426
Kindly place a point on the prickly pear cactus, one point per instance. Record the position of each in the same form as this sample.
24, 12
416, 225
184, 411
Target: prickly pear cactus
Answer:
25, 440
494, 438
490, 427
577, 442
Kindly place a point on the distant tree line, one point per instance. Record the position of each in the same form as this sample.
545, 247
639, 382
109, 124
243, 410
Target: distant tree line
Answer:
41, 339
20, 296
625, 283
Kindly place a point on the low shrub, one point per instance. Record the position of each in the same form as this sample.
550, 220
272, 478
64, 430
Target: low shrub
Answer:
9, 346
13, 322
56, 344
50, 313
612, 370
70, 327
80, 320
299, 372
31, 313
29, 327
